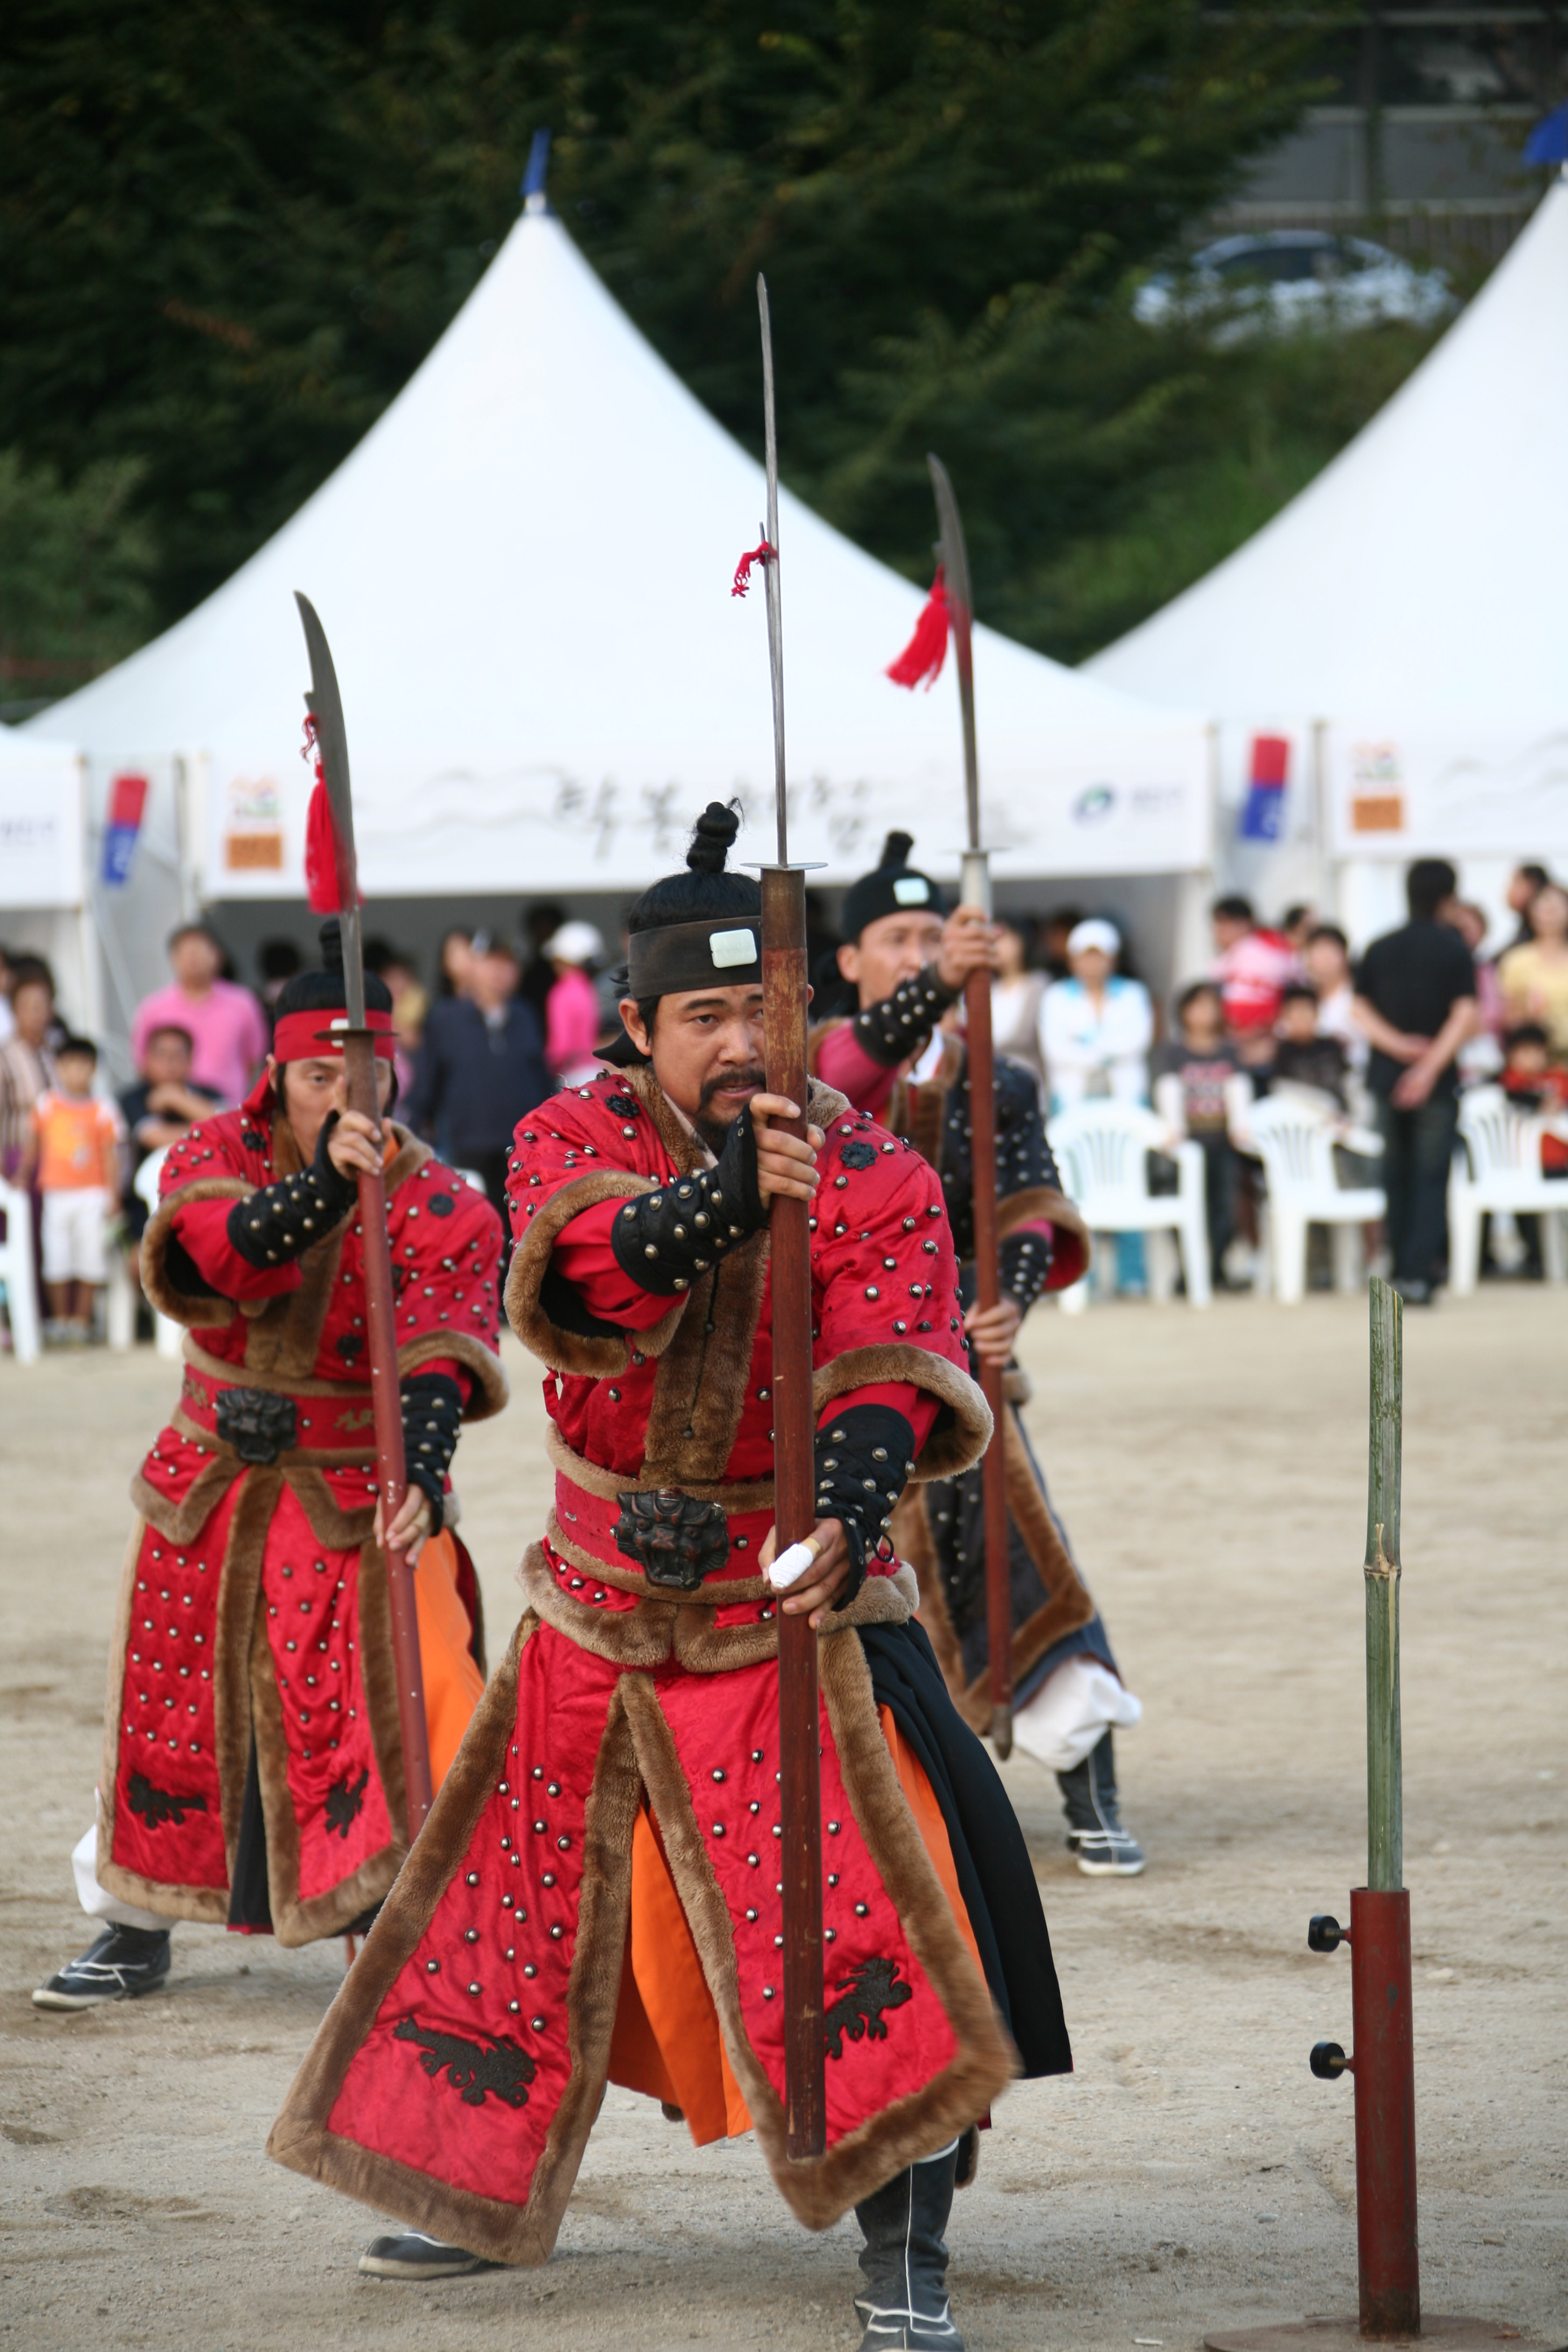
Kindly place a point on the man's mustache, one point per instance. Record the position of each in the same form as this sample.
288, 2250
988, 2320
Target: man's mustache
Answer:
723, 1080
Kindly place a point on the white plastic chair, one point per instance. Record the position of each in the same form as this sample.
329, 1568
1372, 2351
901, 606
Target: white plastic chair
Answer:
1296, 1144
17, 1275
1499, 1168
168, 1337
1104, 1148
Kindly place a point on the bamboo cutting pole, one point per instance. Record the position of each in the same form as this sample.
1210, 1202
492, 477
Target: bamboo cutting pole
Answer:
1385, 1774
976, 891
784, 993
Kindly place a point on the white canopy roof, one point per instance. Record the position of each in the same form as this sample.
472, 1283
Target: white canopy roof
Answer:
524, 570
1422, 579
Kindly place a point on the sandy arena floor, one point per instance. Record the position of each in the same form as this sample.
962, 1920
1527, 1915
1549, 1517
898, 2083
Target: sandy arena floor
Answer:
1212, 1469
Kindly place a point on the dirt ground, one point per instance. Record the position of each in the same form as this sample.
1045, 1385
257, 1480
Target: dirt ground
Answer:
1211, 1470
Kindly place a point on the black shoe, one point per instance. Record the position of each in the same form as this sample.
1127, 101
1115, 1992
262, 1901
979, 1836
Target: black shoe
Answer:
1104, 1847
415, 2254
904, 2307
1412, 1290
123, 1962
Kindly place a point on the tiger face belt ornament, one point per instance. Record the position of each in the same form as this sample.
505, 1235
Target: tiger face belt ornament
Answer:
259, 1424
675, 1539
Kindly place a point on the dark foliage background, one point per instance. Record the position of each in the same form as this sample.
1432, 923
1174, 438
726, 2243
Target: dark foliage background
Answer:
229, 233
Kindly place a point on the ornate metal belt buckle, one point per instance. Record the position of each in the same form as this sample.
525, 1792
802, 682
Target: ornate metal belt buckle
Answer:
675, 1539
258, 1424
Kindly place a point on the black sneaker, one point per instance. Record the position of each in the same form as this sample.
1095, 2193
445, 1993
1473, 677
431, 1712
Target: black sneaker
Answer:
124, 1962
415, 2254
1096, 1835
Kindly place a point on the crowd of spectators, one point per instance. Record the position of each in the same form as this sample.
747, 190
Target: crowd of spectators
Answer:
1386, 1044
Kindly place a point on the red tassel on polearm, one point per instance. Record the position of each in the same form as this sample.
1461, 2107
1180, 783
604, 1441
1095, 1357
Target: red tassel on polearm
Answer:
323, 889
921, 662
742, 580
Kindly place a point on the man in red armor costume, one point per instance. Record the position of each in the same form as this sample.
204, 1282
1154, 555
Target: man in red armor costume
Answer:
252, 1768
597, 1895
895, 1057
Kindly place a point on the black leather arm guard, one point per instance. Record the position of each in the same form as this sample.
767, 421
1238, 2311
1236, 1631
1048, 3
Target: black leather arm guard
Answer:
864, 1456
282, 1220
667, 1239
432, 1420
1024, 1263
889, 1032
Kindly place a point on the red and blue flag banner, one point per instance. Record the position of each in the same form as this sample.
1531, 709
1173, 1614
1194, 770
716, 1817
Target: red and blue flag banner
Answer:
1263, 811
123, 823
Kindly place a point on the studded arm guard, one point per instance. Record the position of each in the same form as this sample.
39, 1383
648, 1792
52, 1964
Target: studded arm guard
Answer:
282, 1220
863, 1457
889, 1032
1025, 1262
667, 1239
432, 1419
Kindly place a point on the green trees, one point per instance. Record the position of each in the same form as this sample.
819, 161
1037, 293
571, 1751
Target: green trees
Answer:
229, 234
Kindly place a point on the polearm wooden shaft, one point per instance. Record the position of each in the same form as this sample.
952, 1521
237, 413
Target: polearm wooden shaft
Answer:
1385, 1770
325, 703
794, 1510
386, 1401
976, 891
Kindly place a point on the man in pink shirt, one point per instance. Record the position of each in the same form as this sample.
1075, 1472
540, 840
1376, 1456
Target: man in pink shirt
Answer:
227, 1025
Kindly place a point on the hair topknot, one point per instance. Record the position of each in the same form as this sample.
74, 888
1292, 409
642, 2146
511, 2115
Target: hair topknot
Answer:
712, 837
896, 849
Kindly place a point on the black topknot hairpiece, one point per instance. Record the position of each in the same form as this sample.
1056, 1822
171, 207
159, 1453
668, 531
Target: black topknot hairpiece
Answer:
896, 849
712, 837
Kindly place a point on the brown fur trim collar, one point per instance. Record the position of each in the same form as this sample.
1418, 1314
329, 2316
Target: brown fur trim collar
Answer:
590, 1358
954, 1444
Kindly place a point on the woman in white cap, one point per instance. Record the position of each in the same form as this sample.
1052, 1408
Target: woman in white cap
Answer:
1096, 1029
572, 1008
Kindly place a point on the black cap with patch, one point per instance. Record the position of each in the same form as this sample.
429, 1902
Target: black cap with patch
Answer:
896, 888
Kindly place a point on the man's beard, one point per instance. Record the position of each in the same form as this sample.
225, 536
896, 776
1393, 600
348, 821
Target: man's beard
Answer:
715, 1132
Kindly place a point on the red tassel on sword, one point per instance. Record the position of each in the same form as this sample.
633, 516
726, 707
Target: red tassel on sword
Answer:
323, 868
921, 662
763, 554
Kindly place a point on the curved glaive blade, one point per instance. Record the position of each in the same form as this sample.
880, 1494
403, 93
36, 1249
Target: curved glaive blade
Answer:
326, 707
954, 558
954, 555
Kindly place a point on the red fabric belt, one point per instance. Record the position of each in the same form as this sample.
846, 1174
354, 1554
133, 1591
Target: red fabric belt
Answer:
341, 1423
589, 1521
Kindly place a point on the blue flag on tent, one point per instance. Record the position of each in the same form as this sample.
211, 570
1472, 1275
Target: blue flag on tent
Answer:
1548, 143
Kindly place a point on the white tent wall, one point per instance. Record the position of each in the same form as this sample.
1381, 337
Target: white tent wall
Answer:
524, 570
1413, 601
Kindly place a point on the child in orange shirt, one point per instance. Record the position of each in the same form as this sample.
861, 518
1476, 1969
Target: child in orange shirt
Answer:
76, 1141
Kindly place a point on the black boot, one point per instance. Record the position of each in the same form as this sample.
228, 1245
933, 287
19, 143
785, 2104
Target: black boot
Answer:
904, 2301
123, 1962
1095, 1833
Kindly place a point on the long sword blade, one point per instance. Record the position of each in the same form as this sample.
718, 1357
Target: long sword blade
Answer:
325, 705
770, 570
955, 561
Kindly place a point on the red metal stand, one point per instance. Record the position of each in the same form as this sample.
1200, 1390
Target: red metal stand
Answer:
1384, 2071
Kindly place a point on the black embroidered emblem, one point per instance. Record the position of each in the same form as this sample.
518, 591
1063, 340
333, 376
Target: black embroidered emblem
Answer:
251, 1139
351, 1346
675, 1539
858, 1155
439, 1205
471, 2069
862, 1999
257, 1424
156, 1806
345, 1802
624, 1106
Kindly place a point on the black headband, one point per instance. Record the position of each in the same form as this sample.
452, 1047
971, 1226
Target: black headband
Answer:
677, 958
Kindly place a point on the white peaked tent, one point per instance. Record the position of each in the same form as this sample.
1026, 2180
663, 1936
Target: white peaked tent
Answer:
524, 571
1405, 617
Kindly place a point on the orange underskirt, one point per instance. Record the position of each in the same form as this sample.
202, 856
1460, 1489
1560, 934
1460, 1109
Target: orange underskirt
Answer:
667, 2041
453, 1683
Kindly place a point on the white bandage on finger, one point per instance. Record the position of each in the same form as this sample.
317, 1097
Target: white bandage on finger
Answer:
791, 1562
